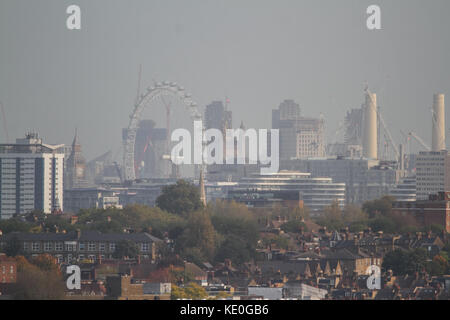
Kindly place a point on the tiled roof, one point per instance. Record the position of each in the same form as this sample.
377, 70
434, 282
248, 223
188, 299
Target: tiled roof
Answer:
84, 236
342, 254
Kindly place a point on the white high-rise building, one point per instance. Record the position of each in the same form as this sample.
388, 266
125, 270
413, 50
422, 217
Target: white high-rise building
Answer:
31, 177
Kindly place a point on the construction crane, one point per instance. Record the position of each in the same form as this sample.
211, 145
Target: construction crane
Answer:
4, 122
419, 140
389, 136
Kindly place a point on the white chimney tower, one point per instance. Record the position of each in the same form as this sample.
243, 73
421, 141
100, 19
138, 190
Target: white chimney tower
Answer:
370, 147
438, 121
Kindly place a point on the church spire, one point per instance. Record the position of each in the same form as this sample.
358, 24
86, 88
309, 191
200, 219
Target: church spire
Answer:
202, 188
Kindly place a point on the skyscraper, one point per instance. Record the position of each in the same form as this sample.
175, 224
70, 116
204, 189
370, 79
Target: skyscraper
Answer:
300, 137
31, 177
432, 173
218, 117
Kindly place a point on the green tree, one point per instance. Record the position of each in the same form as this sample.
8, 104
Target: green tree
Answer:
15, 225
397, 261
236, 249
13, 247
352, 214
234, 218
180, 198
195, 292
405, 262
438, 266
382, 223
46, 262
199, 234
192, 291
381, 206
332, 217
294, 226
126, 249
177, 293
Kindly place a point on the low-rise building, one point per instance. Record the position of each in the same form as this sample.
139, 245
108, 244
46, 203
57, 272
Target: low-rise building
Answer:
122, 287
79, 246
90, 198
8, 269
289, 189
434, 211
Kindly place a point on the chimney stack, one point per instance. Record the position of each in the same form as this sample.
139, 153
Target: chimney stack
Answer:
438, 122
370, 134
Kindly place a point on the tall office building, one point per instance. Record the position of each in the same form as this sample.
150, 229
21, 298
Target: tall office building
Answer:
353, 127
300, 137
218, 117
432, 173
31, 177
149, 149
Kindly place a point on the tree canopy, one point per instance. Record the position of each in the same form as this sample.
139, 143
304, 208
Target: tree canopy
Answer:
180, 198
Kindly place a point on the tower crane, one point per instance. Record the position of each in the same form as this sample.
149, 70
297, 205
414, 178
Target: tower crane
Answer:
419, 140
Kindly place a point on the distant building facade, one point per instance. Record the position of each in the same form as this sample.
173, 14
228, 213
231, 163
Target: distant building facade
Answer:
433, 173
90, 198
405, 190
433, 211
300, 137
150, 147
288, 189
8, 269
365, 179
78, 246
31, 177
218, 117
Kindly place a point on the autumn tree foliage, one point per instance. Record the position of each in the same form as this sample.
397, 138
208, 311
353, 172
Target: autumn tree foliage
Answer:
38, 279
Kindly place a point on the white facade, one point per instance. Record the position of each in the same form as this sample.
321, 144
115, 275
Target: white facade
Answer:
266, 292
310, 143
304, 292
31, 177
370, 149
438, 123
405, 191
315, 193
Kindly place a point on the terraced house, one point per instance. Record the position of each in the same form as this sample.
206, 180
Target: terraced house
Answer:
78, 246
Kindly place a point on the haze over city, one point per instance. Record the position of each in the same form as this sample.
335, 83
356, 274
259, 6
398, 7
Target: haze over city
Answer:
256, 53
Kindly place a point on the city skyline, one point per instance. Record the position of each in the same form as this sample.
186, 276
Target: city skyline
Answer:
87, 79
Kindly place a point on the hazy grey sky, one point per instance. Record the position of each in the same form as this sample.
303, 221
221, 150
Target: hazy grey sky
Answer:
257, 52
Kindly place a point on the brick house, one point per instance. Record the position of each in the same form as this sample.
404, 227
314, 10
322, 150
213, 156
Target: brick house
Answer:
8, 269
434, 211
78, 246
